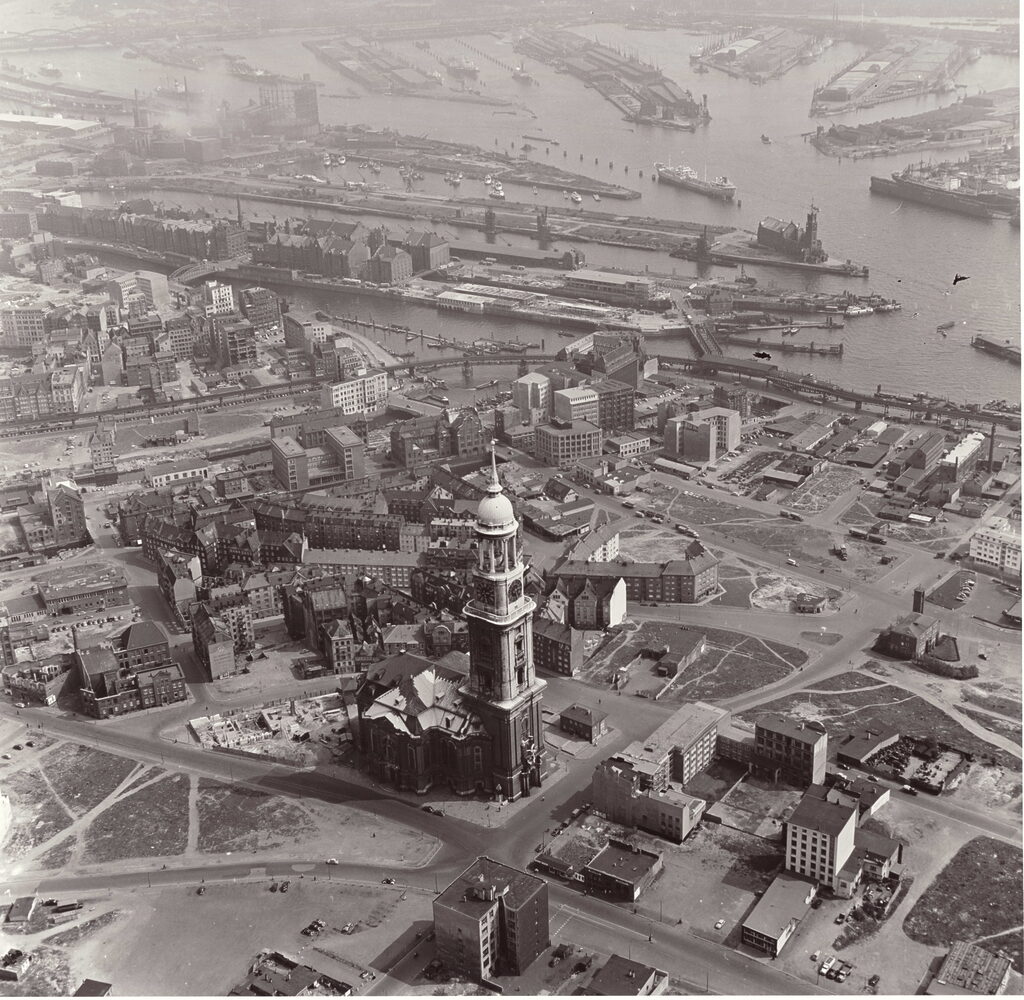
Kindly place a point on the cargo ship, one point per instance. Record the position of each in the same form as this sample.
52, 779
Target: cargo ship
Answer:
1002, 350
461, 67
946, 190
686, 177
241, 70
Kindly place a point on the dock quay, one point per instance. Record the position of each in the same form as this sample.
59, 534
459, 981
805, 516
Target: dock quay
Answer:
910, 69
1006, 349
988, 119
782, 347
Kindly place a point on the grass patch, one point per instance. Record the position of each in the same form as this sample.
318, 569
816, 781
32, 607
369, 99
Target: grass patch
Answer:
1009, 707
881, 707
233, 819
1011, 945
58, 855
38, 813
75, 934
48, 975
995, 724
850, 681
84, 777
152, 823
975, 895
860, 925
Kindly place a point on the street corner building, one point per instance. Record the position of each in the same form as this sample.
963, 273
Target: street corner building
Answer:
422, 724
492, 921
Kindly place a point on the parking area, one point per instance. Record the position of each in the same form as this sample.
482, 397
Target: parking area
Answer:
956, 591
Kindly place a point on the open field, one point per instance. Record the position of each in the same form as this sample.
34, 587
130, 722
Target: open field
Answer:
58, 855
885, 706
977, 894
151, 823
236, 818
83, 777
38, 813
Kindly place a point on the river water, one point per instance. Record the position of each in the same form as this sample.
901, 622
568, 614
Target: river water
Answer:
913, 251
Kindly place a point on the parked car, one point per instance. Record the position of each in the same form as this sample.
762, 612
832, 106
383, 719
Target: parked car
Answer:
719, 924
840, 918
201, 891
285, 886
332, 861
387, 881
874, 980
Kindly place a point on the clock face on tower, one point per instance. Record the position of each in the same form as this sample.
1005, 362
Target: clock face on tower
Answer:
515, 591
485, 591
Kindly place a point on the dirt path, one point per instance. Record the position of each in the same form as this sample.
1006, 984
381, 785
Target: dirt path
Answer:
192, 845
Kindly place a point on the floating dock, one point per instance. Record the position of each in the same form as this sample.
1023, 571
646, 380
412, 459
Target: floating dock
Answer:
1004, 349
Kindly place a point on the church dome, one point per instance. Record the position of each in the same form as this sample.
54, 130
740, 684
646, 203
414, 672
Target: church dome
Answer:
495, 511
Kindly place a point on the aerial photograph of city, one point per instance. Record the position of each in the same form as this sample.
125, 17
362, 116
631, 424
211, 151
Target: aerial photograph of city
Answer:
510, 497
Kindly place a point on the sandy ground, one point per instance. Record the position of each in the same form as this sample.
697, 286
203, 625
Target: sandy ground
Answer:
161, 942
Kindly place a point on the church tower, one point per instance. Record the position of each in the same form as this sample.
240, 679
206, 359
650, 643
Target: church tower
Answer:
503, 689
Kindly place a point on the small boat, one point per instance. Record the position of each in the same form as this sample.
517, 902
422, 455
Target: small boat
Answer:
535, 189
488, 180
409, 336
50, 70
597, 197
790, 331
943, 332
565, 194
576, 197
457, 180
948, 325
765, 139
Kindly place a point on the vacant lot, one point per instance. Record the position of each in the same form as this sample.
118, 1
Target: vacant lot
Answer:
1009, 728
732, 662
38, 813
84, 777
885, 706
234, 819
820, 491
976, 895
152, 823
849, 681
58, 855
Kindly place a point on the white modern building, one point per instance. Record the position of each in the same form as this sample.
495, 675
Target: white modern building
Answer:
362, 394
576, 404
997, 545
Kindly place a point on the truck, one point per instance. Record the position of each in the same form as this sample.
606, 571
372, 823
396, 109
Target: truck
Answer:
684, 530
839, 549
791, 515
876, 538
827, 964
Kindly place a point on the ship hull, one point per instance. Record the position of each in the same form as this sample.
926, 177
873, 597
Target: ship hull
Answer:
924, 195
697, 186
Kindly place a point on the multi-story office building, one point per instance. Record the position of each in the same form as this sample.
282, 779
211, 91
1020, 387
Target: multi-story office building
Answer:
996, 546
797, 749
557, 647
362, 394
579, 403
492, 921
703, 436
234, 341
217, 299
181, 335
262, 308
615, 404
820, 839
301, 330
290, 463
25, 326
562, 444
532, 392
68, 388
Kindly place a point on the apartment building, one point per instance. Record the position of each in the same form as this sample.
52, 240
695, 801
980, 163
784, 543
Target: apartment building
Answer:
798, 749
820, 840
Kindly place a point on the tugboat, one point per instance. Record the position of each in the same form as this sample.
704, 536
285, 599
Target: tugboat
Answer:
488, 180
576, 197
50, 70
597, 197
948, 325
765, 139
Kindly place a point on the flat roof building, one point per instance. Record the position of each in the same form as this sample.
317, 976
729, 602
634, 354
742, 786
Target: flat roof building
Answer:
777, 915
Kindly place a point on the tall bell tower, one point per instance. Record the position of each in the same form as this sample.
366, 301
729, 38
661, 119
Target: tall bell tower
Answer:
503, 688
